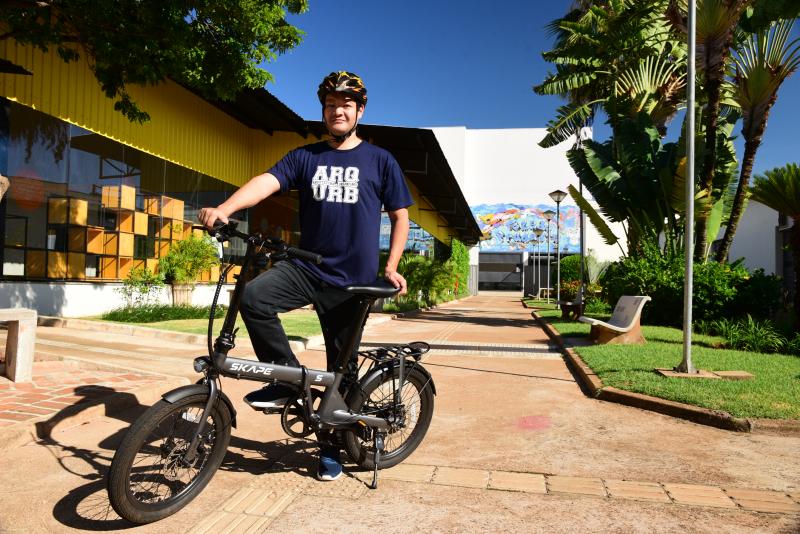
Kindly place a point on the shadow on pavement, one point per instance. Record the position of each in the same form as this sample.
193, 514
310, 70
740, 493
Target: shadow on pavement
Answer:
430, 364
87, 507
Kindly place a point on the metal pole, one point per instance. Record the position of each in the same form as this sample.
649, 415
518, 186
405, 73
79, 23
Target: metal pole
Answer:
548, 260
686, 365
558, 254
581, 297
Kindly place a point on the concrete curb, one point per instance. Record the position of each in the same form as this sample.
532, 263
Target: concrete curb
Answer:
132, 330
201, 339
696, 414
44, 427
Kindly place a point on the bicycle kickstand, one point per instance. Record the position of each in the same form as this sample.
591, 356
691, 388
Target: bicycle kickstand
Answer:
377, 444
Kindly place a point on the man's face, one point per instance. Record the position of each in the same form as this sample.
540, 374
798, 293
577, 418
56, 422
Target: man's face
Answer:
341, 113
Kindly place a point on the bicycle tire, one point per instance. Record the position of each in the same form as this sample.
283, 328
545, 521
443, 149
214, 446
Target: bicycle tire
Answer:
375, 397
161, 434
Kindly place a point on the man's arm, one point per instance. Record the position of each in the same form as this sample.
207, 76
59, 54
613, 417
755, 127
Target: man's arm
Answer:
397, 243
250, 194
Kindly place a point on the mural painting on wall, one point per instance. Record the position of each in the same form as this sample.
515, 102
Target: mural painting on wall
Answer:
511, 227
418, 239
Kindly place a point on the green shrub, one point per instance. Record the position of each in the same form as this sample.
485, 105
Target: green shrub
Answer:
140, 286
761, 295
571, 269
793, 345
151, 313
755, 336
188, 258
569, 290
715, 286
400, 306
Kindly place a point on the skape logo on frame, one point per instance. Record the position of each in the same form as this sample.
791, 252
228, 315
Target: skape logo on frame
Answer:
247, 368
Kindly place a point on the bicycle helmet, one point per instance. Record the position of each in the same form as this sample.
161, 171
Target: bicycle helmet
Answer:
343, 82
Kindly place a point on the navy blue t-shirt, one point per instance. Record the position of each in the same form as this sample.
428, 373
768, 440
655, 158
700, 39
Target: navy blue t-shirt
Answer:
341, 193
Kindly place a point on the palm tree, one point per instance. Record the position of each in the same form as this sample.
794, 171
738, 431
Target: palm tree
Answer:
779, 189
716, 22
595, 44
762, 64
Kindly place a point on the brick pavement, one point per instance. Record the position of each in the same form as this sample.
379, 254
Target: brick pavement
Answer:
259, 500
60, 384
253, 508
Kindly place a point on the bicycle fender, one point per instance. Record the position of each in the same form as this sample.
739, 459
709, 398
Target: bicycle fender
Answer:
380, 369
198, 389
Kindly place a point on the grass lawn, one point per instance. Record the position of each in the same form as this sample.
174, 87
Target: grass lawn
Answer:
774, 393
299, 324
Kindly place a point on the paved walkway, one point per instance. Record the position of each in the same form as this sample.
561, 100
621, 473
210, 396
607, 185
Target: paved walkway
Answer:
514, 446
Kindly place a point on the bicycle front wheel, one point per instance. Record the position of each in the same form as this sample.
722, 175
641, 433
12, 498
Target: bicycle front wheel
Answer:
412, 417
150, 478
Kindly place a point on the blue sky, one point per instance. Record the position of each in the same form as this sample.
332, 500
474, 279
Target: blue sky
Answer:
456, 63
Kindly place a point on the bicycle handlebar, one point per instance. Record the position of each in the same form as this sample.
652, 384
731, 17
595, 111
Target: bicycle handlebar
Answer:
223, 232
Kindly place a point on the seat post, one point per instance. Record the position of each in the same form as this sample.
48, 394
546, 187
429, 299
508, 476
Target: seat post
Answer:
357, 326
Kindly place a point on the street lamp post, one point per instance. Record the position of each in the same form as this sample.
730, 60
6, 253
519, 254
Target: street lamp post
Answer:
548, 215
557, 197
538, 233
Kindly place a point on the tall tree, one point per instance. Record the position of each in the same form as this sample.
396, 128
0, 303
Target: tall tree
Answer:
780, 190
761, 64
594, 45
716, 24
212, 46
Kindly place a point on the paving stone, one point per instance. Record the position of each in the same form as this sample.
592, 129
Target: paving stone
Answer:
272, 505
758, 495
768, 506
583, 486
456, 476
244, 499
734, 375
213, 523
408, 473
249, 524
640, 491
347, 487
796, 496
525, 482
699, 495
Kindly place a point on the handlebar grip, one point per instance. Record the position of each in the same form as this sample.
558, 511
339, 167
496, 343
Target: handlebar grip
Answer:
304, 255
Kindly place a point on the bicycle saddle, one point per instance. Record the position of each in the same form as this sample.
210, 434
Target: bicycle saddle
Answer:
377, 289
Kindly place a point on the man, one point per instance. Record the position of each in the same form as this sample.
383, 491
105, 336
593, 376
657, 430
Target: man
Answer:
342, 184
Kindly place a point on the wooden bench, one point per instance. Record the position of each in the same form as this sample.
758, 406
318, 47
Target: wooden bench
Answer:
19, 343
624, 326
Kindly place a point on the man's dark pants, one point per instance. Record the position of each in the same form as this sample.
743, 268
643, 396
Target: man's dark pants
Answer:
286, 287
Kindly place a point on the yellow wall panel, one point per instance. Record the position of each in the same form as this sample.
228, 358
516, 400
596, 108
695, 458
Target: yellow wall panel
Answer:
184, 128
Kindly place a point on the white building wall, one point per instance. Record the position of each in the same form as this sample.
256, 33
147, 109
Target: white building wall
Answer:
756, 238
508, 166
77, 299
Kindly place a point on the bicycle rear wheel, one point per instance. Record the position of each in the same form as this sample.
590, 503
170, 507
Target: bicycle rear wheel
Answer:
412, 417
149, 479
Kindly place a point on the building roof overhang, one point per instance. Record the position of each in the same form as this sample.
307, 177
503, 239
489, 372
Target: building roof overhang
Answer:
259, 109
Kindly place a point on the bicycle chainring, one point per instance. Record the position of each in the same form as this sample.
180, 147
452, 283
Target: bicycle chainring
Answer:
293, 416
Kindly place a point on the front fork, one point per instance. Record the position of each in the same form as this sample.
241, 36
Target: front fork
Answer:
213, 393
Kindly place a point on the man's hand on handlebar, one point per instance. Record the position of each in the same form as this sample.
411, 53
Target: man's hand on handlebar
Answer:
397, 280
208, 216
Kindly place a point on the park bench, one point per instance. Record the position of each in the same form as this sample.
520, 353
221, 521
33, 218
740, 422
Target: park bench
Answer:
19, 343
624, 326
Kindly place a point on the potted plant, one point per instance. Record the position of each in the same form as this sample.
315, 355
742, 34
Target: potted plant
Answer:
184, 262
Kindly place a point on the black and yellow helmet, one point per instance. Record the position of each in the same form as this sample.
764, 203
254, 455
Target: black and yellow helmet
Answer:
343, 82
